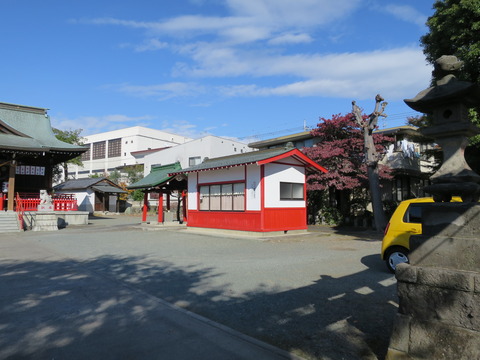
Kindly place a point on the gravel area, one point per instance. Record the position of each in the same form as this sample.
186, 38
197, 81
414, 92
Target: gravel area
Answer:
321, 295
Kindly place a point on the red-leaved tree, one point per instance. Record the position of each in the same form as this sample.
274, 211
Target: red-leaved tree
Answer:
341, 151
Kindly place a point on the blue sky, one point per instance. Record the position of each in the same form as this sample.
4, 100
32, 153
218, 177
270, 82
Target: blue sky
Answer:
250, 69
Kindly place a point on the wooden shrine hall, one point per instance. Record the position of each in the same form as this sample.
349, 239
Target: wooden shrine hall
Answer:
28, 151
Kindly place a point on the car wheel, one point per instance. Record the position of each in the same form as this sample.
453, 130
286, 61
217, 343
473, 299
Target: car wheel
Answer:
395, 256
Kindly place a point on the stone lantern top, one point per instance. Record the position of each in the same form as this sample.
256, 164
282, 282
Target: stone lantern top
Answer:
447, 90
448, 103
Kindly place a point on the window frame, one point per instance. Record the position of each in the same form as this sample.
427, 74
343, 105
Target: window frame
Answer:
417, 217
98, 150
86, 155
223, 196
115, 148
194, 160
291, 191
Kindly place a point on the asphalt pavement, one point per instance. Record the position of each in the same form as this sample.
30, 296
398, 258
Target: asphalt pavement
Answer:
111, 290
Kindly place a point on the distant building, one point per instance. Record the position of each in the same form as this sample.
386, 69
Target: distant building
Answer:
95, 194
191, 153
299, 141
113, 150
410, 157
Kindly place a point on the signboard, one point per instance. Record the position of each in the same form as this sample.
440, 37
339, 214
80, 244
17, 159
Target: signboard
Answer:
30, 170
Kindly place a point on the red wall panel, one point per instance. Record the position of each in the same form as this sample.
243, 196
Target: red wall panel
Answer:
282, 219
274, 219
246, 221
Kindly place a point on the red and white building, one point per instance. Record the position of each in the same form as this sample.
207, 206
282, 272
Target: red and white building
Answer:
260, 191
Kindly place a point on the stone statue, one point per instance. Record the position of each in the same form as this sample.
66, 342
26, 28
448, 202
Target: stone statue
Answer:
45, 199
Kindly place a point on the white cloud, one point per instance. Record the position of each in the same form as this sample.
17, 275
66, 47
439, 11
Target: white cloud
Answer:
97, 124
185, 128
406, 13
151, 44
249, 20
298, 13
161, 91
398, 72
361, 66
291, 39
253, 40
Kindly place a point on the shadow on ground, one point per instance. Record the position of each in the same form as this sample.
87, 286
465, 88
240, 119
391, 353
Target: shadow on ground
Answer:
53, 309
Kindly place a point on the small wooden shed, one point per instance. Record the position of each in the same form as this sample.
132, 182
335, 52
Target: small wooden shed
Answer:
93, 194
259, 191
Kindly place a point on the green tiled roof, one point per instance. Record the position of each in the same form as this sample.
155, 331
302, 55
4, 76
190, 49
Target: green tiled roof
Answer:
157, 176
29, 129
250, 158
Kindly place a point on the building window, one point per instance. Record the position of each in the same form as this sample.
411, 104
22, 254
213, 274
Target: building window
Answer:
98, 150
194, 160
114, 148
86, 155
291, 191
222, 197
300, 144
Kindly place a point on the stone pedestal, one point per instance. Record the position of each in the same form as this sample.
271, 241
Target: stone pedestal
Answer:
45, 221
45, 207
439, 312
168, 216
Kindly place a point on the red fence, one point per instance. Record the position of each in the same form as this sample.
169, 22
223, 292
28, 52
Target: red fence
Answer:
61, 202
20, 210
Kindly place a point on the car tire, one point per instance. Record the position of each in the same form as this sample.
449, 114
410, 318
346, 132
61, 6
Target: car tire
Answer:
396, 255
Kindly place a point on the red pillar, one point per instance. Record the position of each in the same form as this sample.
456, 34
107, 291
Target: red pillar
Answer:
160, 207
145, 206
184, 205
11, 187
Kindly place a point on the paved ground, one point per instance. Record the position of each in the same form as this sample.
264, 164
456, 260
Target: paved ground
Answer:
101, 291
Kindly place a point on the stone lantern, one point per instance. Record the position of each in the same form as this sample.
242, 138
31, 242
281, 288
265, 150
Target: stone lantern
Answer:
439, 291
449, 102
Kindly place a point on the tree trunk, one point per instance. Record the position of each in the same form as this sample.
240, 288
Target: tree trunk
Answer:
374, 183
371, 159
65, 171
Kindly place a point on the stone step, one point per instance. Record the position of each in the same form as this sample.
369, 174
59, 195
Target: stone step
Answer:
8, 222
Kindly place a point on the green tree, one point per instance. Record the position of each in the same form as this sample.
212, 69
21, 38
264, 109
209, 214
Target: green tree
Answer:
134, 174
455, 30
115, 176
70, 137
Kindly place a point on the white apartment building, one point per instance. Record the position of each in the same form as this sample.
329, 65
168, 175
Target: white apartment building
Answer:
193, 152
113, 149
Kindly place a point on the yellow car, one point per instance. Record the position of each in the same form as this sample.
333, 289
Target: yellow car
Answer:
405, 221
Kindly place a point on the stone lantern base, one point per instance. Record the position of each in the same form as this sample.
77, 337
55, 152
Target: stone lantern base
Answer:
439, 312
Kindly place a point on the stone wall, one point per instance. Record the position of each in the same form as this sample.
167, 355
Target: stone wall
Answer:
439, 292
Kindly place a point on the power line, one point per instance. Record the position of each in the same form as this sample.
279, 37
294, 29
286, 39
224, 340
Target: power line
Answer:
307, 127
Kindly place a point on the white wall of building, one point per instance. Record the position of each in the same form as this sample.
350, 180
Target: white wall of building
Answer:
252, 183
253, 191
85, 199
222, 175
209, 146
192, 191
133, 139
276, 173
